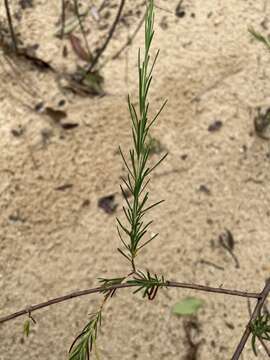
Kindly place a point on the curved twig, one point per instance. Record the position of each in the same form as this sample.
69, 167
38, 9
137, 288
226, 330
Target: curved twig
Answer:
127, 43
110, 35
125, 285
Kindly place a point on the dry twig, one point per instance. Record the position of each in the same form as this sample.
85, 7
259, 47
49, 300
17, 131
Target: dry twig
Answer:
99, 289
256, 312
10, 24
109, 37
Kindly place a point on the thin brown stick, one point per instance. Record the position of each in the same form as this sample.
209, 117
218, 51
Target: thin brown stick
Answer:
30, 309
256, 312
163, 9
127, 43
109, 37
76, 8
261, 341
265, 347
218, 290
63, 18
102, 5
130, 39
10, 24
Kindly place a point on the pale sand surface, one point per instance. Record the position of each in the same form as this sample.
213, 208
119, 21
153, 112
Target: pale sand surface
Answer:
54, 242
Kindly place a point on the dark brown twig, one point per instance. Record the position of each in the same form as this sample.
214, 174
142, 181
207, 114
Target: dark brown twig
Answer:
109, 37
127, 43
125, 285
226, 240
130, 39
214, 290
261, 341
10, 24
254, 315
76, 8
163, 9
265, 347
63, 18
206, 262
102, 6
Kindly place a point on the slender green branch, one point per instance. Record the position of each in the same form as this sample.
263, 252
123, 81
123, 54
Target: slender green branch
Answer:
136, 182
82, 345
258, 36
139, 155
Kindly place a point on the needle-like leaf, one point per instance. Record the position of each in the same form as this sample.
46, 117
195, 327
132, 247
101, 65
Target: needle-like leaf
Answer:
139, 155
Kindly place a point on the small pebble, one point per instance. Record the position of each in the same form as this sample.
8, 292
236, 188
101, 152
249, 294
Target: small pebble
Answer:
184, 156
107, 204
62, 102
18, 131
215, 126
204, 189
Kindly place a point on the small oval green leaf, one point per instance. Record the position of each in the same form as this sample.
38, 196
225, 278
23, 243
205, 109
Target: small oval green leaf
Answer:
187, 306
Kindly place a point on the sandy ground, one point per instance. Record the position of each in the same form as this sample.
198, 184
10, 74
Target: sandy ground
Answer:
56, 240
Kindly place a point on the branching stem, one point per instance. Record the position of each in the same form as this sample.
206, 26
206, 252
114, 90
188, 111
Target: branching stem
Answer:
256, 312
75, 294
109, 37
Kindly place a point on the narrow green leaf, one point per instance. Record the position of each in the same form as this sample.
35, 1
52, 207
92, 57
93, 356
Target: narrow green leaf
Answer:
154, 62
253, 343
126, 199
127, 215
126, 246
150, 170
157, 115
143, 202
151, 206
148, 241
26, 327
125, 162
122, 226
126, 256
127, 184
259, 37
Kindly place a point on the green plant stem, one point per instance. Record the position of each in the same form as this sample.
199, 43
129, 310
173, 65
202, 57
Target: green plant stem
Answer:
138, 171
